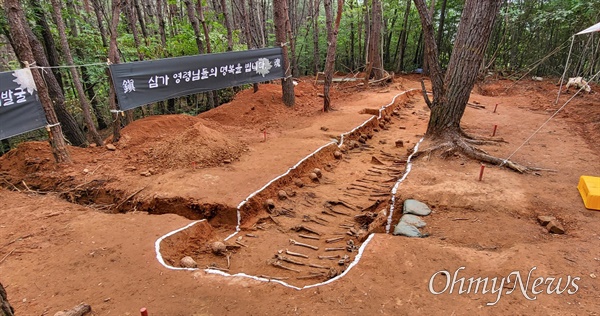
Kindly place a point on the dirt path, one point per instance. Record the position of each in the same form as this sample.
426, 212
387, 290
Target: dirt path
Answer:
56, 254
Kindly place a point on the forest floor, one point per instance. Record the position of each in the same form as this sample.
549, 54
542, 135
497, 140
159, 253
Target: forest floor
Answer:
86, 232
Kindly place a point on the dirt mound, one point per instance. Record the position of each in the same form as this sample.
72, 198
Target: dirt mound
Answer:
198, 146
155, 128
265, 109
27, 158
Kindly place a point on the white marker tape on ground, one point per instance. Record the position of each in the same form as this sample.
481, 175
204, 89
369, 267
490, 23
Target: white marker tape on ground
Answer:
395, 189
159, 256
239, 217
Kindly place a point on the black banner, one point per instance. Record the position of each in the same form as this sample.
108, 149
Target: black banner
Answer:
144, 82
20, 107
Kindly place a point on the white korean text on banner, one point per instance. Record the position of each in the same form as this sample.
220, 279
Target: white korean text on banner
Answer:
144, 82
20, 107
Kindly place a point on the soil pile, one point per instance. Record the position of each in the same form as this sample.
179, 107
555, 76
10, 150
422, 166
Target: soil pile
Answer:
155, 128
264, 109
198, 146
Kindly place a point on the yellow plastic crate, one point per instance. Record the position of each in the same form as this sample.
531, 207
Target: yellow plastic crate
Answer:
589, 188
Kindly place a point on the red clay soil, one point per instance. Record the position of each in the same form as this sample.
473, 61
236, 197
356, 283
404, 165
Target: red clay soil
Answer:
55, 254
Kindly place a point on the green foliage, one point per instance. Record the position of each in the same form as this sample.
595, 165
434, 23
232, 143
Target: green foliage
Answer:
525, 32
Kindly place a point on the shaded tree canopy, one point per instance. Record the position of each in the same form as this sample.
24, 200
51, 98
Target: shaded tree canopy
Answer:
524, 33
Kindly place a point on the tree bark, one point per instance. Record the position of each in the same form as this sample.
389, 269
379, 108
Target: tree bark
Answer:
281, 20
16, 21
332, 33
71, 18
257, 23
425, 43
248, 34
451, 92
131, 15
403, 37
375, 63
5, 308
195, 25
85, 105
140, 16
441, 26
98, 11
212, 96
389, 32
227, 19
88, 86
71, 128
48, 40
161, 22
113, 55
292, 41
315, 25
352, 63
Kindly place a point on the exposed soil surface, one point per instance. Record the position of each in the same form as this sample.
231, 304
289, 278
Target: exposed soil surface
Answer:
86, 232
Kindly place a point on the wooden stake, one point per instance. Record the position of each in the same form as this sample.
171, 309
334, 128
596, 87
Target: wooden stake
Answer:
481, 172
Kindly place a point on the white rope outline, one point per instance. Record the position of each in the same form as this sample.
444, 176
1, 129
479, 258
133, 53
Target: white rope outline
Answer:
237, 228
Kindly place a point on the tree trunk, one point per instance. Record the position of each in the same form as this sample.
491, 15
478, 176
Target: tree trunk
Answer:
451, 92
195, 25
113, 55
388, 43
292, 42
375, 62
315, 22
257, 23
72, 10
98, 11
5, 308
70, 127
441, 26
248, 34
140, 16
48, 40
161, 22
332, 33
130, 13
425, 50
85, 105
281, 20
403, 37
16, 20
88, 86
212, 96
200, 9
227, 19
352, 63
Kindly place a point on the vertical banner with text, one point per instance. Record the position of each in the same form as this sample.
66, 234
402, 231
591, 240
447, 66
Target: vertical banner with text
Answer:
20, 107
144, 82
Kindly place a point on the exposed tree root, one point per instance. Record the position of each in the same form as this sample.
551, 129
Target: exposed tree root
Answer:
463, 145
480, 140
